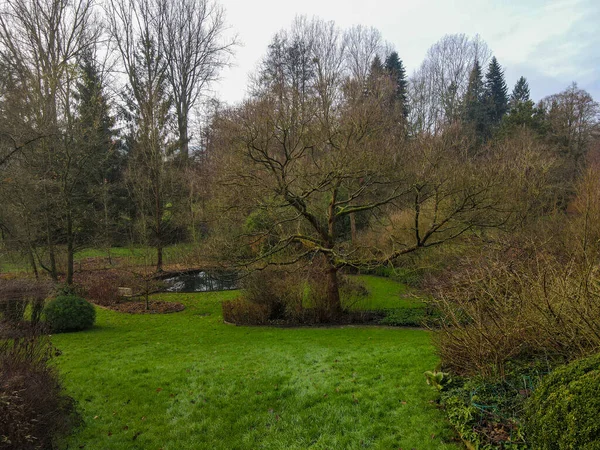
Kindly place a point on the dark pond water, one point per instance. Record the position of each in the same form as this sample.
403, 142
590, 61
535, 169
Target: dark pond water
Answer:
201, 281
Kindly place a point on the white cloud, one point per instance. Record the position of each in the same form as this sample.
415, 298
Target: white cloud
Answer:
553, 41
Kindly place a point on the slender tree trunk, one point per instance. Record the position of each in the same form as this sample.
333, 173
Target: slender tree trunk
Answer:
32, 262
182, 126
159, 236
159, 258
52, 256
107, 238
50, 242
158, 216
53, 270
70, 249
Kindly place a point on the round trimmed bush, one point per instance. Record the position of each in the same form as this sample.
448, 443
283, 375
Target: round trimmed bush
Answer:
69, 313
563, 412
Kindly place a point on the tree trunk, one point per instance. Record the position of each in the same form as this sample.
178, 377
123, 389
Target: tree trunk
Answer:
353, 228
70, 249
50, 242
53, 270
333, 292
158, 215
182, 126
32, 263
159, 258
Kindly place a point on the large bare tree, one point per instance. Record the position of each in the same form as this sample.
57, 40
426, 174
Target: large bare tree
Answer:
313, 147
192, 35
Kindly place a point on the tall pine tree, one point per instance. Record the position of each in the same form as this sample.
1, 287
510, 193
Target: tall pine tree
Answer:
395, 68
474, 112
96, 132
523, 113
496, 93
95, 122
520, 93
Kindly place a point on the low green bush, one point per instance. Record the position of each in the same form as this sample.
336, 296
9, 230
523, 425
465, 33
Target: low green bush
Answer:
563, 412
410, 317
69, 313
408, 276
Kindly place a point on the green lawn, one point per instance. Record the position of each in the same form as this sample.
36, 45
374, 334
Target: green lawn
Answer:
384, 293
188, 381
12, 261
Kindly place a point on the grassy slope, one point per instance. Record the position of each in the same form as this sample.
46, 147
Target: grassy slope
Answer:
187, 381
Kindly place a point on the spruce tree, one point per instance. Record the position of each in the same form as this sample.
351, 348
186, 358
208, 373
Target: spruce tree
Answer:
496, 92
474, 112
395, 68
101, 187
376, 72
376, 67
520, 93
94, 119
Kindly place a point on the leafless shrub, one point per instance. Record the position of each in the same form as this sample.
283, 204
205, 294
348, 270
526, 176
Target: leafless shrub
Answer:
537, 292
16, 294
33, 409
242, 312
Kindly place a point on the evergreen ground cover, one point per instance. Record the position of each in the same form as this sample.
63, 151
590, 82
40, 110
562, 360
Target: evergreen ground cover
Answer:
187, 380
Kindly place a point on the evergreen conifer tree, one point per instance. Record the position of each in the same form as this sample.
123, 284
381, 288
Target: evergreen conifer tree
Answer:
474, 112
101, 187
395, 68
94, 119
496, 93
376, 67
520, 93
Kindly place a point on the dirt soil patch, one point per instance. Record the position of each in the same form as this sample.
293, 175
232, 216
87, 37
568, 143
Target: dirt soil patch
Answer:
155, 307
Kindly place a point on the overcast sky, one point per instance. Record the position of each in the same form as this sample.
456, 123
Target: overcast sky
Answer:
551, 43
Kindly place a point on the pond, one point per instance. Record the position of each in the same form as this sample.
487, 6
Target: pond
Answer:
201, 281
